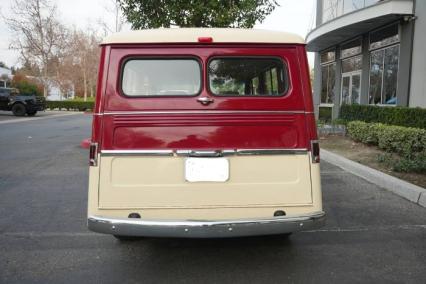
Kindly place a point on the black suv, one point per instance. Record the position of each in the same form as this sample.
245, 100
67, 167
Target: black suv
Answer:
11, 100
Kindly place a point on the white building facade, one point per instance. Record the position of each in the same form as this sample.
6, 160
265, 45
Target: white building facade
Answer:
369, 52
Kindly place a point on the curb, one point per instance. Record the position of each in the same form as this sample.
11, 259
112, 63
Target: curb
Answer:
402, 188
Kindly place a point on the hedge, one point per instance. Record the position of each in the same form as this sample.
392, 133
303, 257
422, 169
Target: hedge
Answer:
406, 141
325, 114
402, 116
70, 105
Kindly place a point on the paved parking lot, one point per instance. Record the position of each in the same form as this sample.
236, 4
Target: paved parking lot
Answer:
8, 117
371, 234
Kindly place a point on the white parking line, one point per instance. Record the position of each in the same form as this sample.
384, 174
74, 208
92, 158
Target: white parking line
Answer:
38, 118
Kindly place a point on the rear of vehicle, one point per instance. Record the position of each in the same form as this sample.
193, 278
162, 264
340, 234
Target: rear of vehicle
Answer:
204, 133
11, 100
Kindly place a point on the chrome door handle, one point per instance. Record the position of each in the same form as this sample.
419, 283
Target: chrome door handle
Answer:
205, 100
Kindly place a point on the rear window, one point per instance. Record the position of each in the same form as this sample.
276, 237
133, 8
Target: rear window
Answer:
241, 76
161, 77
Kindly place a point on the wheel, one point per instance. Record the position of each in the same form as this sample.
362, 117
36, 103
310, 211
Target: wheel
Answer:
19, 109
126, 238
32, 113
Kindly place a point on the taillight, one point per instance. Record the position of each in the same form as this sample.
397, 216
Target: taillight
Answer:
205, 39
93, 156
315, 151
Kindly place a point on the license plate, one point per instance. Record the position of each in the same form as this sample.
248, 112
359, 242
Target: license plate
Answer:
206, 169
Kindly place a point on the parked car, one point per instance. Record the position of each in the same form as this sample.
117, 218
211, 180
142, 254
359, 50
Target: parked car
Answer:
204, 133
11, 100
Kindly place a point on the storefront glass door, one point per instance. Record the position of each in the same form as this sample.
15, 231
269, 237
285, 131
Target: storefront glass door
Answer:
351, 88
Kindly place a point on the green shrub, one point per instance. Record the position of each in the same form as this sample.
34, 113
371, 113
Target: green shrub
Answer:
402, 116
365, 132
406, 141
415, 164
70, 105
325, 114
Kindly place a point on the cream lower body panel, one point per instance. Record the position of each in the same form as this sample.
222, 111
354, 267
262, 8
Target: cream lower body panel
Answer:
159, 182
193, 211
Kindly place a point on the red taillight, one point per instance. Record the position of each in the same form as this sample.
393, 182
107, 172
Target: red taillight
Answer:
93, 156
315, 151
205, 39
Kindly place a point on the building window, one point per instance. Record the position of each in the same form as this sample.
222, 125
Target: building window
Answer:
384, 65
352, 64
352, 5
384, 37
334, 8
328, 76
351, 48
328, 56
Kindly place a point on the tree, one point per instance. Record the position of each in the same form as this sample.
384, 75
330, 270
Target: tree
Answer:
38, 35
196, 13
113, 10
26, 86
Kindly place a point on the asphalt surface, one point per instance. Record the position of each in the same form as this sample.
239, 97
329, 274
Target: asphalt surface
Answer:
371, 236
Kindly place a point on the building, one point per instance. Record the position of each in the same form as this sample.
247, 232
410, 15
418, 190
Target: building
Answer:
369, 52
5, 77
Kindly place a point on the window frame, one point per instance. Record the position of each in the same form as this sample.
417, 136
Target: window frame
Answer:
162, 57
280, 95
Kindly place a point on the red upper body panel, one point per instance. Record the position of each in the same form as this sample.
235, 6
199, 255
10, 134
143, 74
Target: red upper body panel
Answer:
122, 122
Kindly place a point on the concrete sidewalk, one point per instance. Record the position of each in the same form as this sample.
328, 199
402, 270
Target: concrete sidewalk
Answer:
402, 188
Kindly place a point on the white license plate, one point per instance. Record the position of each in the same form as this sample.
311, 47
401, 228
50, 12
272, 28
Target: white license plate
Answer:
206, 169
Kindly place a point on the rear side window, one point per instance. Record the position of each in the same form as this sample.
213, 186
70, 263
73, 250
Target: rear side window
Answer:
239, 76
161, 77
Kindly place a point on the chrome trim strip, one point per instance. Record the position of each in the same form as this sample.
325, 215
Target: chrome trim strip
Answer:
206, 112
245, 152
204, 153
205, 229
137, 152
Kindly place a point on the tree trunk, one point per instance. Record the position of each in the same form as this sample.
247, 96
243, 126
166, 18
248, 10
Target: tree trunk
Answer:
85, 83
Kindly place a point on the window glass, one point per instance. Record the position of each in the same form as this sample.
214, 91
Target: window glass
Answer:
345, 90
328, 56
376, 76
331, 9
384, 37
370, 2
161, 77
328, 78
352, 5
351, 48
237, 76
355, 88
384, 75
390, 75
352, 64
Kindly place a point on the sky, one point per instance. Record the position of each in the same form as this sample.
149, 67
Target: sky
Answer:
296, 16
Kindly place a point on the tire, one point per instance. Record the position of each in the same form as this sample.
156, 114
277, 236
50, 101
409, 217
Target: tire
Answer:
19, 109
32, 113
126, 238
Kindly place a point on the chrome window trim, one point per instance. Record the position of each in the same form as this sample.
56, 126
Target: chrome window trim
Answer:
204, 153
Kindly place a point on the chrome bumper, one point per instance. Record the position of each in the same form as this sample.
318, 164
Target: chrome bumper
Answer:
206, 229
